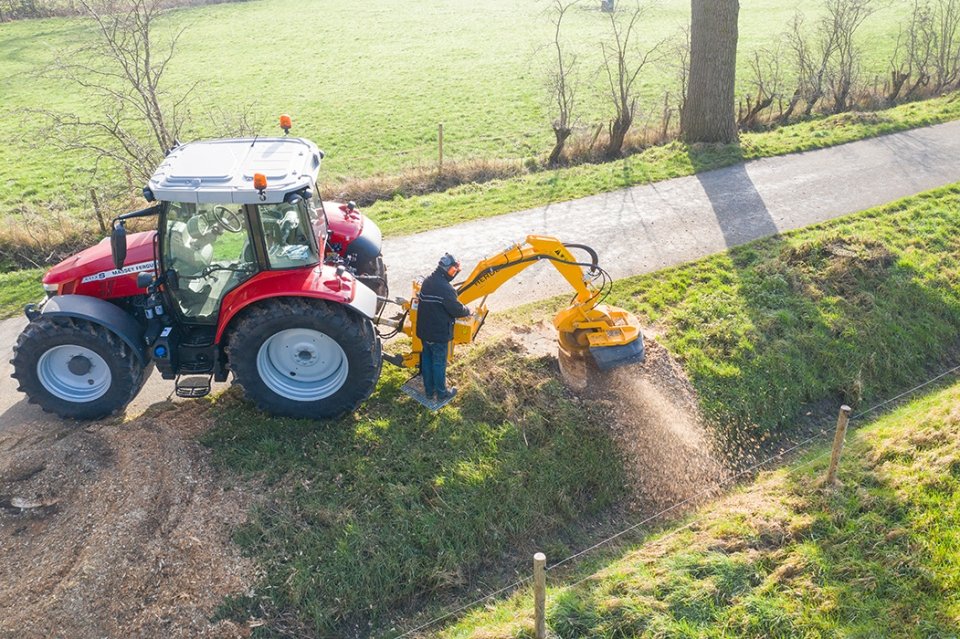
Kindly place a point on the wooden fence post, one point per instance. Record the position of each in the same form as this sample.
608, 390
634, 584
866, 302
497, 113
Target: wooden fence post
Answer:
440, 148
540, 594
842, 420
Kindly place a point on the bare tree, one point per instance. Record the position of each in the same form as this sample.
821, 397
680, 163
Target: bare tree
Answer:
945, 16
122, 70
799, 56
911, 58
562, 83
623, 61
826, 59
680, 54
814, 73
766, 80
844, 18
708, 115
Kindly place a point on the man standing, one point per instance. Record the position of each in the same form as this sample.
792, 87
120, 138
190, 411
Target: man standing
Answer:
438, 309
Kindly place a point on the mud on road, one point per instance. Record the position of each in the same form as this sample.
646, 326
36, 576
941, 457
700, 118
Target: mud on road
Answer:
119, 530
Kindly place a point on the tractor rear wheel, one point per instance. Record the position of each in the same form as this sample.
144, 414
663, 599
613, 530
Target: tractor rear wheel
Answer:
304, 358
75, 368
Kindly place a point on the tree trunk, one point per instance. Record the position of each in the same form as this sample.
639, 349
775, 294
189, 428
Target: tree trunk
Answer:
561, 133
708, 115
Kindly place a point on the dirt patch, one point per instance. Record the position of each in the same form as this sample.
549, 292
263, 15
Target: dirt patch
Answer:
670, 455
117, 530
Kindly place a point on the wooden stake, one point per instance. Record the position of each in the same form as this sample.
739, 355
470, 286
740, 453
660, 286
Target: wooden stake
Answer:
540, 594
842, 419
440, 147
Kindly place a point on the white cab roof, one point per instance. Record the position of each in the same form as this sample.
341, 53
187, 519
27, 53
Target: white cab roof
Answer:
221, 171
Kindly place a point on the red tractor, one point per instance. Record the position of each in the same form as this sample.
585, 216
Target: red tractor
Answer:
248, 272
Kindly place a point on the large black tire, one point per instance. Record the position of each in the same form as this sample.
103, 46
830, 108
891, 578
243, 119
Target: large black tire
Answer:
354, 334
127, 374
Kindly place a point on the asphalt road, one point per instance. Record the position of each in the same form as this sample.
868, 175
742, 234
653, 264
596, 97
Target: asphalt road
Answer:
640, 229
650, 227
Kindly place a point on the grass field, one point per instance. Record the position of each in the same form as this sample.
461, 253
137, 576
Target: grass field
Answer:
783, 557
390, 508
367, 81
18, 289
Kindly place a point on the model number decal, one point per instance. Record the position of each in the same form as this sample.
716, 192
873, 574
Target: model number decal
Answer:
126, 270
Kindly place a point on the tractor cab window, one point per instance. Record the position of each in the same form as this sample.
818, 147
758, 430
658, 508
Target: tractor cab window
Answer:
208, 245
288, 235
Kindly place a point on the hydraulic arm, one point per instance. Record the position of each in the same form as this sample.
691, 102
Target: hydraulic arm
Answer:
585, 328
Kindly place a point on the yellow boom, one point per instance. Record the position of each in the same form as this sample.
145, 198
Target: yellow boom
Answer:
609, 334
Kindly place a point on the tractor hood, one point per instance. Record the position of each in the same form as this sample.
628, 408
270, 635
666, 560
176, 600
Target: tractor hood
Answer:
91, 271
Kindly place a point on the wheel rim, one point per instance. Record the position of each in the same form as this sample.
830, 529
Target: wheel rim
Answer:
74, 373
302, 364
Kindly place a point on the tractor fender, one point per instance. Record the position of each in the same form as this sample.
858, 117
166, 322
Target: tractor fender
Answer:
312, 284
367, 246
98, 311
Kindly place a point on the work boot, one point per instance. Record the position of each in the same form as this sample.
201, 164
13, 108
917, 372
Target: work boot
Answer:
443, 396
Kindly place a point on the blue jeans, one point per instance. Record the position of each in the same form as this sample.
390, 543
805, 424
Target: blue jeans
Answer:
433, 367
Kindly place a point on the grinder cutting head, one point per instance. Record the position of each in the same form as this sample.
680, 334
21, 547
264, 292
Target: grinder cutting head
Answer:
602, 337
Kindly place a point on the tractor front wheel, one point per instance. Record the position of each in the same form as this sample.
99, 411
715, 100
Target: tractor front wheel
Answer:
75, 368
304, 358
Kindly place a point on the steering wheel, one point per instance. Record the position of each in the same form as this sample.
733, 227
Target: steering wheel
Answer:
228, 219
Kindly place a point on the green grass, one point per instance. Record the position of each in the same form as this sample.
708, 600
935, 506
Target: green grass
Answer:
18, 289
371, 512
367, 81
850, 310
846, 311
783, 557
473, 201
391, 509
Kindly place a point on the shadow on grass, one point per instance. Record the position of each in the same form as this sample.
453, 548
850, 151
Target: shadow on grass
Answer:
851, 311
868, 560
364, 515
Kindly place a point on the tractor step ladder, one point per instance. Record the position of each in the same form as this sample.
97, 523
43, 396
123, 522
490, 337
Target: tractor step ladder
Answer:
193, 387
414, 389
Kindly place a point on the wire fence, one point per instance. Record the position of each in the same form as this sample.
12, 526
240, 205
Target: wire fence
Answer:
805, 444
455, 147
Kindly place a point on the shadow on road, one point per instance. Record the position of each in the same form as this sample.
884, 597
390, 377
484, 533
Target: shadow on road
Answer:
741, 212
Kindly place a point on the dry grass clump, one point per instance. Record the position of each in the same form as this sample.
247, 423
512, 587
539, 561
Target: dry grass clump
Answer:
33, 237
588, 145
422, 180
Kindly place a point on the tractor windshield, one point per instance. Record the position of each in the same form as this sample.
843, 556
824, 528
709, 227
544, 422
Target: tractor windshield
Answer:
208, 245
288, 234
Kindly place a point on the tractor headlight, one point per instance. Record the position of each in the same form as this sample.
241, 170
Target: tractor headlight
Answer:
51, 289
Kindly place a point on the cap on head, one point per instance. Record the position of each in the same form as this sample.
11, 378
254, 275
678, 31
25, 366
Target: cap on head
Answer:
449, 265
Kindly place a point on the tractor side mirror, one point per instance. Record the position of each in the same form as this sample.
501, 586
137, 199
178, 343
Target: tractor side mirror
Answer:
118, 244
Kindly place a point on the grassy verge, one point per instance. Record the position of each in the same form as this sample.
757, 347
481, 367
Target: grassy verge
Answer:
392, 507
18, 289
785, 558
369, 513
474, 201
845, 311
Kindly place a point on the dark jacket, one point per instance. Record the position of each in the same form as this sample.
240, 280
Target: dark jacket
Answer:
438, 308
